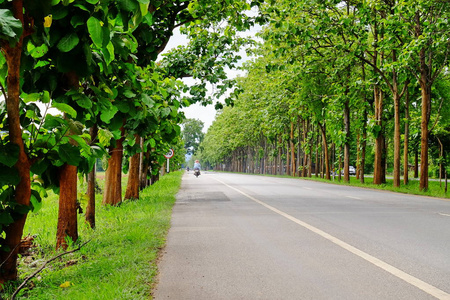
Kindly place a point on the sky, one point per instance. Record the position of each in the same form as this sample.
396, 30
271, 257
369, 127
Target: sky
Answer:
206, 114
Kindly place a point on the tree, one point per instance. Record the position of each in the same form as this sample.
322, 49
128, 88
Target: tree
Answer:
192, 134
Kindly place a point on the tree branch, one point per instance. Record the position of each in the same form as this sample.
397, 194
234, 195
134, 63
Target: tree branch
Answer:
42, 268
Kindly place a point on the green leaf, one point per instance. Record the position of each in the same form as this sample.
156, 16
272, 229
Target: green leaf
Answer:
95, 30
52, 122
8, 176
107, 115
68, 42
76, 21
39, 167
37, 52
65, 108
69, 154
9, 154
104, 137
10, 27
5, 218
129, 94
36, 201
83, 101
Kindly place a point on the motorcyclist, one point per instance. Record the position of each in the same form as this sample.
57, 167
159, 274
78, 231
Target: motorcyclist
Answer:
197, 166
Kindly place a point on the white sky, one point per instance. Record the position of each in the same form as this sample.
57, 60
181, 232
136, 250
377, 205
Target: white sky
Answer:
206, 114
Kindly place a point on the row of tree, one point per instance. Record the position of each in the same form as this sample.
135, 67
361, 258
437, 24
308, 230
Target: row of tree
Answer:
94, 62
340, 83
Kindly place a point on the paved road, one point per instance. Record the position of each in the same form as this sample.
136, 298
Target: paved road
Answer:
252, 237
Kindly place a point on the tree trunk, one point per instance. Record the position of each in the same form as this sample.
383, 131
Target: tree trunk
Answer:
358, 155
379, 141
90, 209
347, 143
132, 191
323, 129
363, 147
142, 170
416, 163
406, 140
293, 173
426, 102
396, 180
14, 231
67, 213
113, 177
317, 168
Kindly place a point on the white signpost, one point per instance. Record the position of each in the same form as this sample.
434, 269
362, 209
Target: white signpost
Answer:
169, 155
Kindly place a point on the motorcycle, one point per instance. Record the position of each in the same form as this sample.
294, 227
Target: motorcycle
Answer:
197, 172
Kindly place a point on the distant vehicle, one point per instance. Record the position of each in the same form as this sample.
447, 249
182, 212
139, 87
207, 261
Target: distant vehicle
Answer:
351, 170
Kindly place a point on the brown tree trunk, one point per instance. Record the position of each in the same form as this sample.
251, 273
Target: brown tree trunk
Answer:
113, 177
14, 231
396, 180
416, 163
426, 101
67, 213
363, 147
317, 168
132, 191
406, 141
293, 172
90, 208
358, 155
347, 144
379, 141
323, 129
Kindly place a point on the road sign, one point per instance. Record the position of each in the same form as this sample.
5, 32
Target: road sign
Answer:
169, 154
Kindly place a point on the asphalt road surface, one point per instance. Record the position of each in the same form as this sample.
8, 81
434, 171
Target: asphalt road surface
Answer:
253, 237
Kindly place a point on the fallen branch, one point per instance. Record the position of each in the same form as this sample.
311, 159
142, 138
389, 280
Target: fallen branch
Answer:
21, 286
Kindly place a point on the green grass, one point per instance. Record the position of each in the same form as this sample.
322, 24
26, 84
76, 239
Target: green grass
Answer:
119, 262
435, 188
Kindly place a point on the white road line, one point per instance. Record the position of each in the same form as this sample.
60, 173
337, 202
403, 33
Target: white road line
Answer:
307, 188
353, 197
445, 215
426, 287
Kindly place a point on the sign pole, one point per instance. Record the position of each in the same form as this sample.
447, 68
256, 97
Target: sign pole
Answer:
169, 155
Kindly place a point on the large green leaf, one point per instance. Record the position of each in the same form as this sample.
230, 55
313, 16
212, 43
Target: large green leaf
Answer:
10, 27
5, 218
68, 42
9, 154
8, 176
65, 108
69, 154
95, 30
36, 201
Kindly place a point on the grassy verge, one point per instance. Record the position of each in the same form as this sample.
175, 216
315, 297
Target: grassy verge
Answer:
119, 262
435, 188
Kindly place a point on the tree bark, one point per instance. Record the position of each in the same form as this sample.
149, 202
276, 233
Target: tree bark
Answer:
90, 208
347, 139
67, 213
132, 191
323, 129
406, 141
293, 172
113, 177
379, 141
14, 231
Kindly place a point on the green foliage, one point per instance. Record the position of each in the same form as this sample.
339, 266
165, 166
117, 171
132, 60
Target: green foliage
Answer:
10, 28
